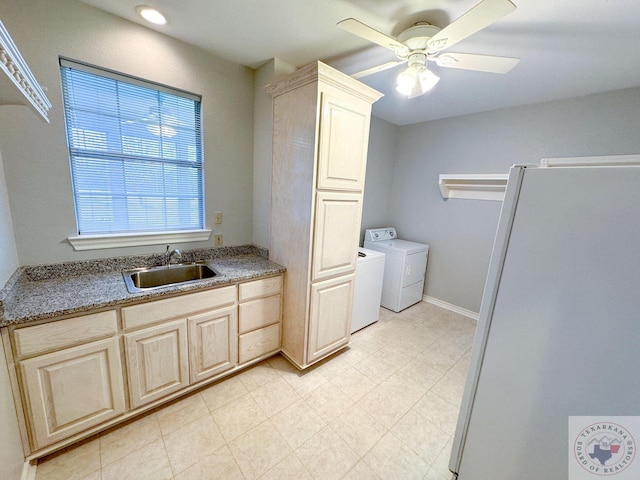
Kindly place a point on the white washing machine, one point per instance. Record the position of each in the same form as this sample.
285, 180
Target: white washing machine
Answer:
404, 270
367, 291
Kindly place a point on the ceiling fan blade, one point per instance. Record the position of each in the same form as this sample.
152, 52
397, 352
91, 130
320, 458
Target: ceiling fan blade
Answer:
482, 15
379, 68
480, 63
352, 25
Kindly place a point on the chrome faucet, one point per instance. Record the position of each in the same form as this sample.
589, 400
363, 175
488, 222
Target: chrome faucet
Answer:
168, 255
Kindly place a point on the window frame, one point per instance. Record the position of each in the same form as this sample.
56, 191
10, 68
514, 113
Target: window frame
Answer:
90, 241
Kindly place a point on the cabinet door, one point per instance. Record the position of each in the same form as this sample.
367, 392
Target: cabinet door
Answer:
213, 343
344, 137
157, 360
330, 322
73, 389
336, 235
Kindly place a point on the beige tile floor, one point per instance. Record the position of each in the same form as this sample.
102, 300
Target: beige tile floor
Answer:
384, 408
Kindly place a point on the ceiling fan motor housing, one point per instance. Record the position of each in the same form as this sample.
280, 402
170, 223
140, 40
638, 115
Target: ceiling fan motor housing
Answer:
417, 36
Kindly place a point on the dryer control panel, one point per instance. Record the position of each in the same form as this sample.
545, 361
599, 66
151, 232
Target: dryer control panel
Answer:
380, 234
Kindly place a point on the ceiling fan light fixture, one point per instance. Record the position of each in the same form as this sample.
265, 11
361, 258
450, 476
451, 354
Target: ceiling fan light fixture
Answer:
428, 80
151, 14
413, 82
406, 81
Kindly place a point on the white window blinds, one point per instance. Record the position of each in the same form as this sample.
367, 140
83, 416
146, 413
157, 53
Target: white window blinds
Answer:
135, 150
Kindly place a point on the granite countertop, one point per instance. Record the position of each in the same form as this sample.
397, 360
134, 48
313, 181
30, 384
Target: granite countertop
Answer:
47, 291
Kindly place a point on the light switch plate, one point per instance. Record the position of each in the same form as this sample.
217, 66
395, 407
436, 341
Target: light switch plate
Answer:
218, 239
217, 218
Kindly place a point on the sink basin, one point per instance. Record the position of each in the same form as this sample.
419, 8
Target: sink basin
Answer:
143, 279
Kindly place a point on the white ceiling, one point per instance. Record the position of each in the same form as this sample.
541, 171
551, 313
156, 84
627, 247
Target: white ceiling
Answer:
567, 48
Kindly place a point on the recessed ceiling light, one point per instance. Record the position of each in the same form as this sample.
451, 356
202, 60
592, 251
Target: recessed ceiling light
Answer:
152, 15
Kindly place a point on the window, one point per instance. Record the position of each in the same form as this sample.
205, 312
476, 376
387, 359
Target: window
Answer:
135, 151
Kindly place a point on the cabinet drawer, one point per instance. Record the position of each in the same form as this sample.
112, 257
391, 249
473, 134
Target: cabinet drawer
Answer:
260, 288
259, 313
64, 333
159, 310
259, 342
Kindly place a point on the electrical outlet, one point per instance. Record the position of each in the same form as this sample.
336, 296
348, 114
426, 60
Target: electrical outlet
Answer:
217, 218
218, 239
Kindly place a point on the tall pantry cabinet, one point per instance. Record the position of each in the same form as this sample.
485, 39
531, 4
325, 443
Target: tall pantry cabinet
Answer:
320, 137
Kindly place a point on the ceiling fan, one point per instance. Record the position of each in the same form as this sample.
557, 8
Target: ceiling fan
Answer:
423, 42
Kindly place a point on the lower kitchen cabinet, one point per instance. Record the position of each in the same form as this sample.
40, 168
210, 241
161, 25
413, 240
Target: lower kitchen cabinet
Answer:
169, 357
158, 361
71, 390
260, 318
330, 321
213, 344
70, 374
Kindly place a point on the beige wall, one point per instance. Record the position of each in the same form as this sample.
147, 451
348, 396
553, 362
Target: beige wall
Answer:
262, 135
461, 232
9, 255
35, 153
380, 163
11, 454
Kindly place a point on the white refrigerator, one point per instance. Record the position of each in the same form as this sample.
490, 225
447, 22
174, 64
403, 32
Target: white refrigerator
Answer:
559, 326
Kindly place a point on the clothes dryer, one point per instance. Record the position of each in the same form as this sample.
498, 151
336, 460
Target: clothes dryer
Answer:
404, 270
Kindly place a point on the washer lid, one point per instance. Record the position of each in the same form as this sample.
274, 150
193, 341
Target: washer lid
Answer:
369, 255
403, 246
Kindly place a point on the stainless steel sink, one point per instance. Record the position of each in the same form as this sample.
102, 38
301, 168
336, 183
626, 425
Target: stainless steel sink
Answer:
143, 279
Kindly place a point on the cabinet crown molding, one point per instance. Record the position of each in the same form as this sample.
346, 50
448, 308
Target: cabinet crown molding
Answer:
319, 71
19, 76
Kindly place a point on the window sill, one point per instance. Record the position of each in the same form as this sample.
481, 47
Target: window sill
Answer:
95, 242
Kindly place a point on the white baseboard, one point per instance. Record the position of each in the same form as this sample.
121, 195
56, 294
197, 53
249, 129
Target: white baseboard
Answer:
29, 471
450, 306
